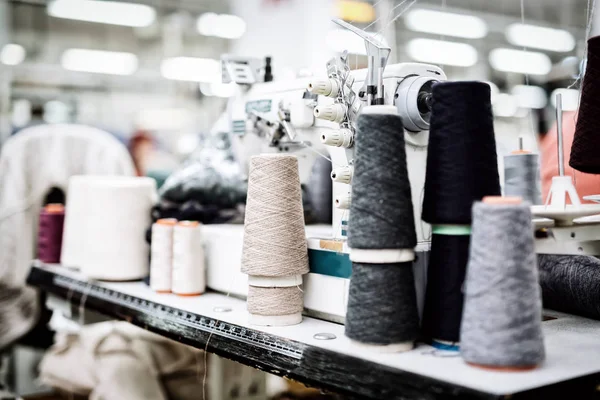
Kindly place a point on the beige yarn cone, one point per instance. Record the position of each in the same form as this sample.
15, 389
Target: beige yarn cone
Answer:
274, 236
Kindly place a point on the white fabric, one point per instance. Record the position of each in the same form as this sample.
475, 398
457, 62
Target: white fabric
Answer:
116, 360
32, 162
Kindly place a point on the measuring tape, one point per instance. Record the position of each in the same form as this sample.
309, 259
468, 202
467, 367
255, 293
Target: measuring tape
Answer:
203, 323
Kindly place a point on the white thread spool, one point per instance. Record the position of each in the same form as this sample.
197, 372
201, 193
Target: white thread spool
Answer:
76, 208
108, 218
189, 272
161, 255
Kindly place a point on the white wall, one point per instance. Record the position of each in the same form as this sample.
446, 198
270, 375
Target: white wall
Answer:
291, 31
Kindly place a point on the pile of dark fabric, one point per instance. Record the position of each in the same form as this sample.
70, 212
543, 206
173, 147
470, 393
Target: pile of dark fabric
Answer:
209, 187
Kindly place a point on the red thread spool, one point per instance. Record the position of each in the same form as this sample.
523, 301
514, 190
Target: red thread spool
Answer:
50, 232
586, 142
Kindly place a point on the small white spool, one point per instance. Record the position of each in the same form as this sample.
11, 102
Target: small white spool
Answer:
161, 255
189, 272
108, 218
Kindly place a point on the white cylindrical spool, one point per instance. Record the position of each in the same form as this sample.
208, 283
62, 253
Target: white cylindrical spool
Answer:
342, 174
333, 112
343, 201
109, 218
161, 255
338, 137
275, 320
275, 281
75, 212
325, 87
189, 271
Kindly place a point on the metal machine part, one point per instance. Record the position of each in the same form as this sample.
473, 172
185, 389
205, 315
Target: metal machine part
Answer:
339, 138
377, 57
342, 174
413, 101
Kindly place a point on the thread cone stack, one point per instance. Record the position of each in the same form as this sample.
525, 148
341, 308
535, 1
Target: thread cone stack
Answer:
275, 253
382, 308
461, 168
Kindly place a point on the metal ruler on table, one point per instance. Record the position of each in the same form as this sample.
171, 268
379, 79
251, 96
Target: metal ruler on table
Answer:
200, 322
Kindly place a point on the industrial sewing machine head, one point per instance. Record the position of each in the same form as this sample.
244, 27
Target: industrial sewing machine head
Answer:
315, 116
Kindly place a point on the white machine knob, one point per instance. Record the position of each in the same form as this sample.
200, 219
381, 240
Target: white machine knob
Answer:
325, 87
334, 112
342, 174
343, 201
338, 137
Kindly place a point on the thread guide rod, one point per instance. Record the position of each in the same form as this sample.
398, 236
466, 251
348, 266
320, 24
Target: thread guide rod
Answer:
559, 133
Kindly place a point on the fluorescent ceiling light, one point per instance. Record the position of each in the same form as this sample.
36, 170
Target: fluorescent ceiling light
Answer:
442, 52
360, 12
539, 37
444, 23
221, 25
505, 105
99, 61
191, 69
520, 61
570, 99
530, 96
218, 89
12, 54
104, 12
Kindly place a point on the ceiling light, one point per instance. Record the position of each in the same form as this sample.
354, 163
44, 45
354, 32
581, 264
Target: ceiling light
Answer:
218, 89
530, 96
539, 37
360, 12
505, 105
570, 99
191, 69
99, 61
520, 61
444, 23
12, 54
221, 25
442, 52
104, 12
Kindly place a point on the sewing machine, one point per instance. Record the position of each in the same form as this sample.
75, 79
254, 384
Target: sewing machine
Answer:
310, 118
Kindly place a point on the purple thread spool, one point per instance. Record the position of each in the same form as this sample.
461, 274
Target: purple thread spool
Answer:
52, 219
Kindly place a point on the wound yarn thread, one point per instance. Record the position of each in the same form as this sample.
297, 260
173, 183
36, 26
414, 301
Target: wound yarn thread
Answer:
274, 237
52, 218
462, 163
382, 304
275, 301
586, 141
570, 284
461, 168
522, 177
446, 274
502, 319
381, 212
